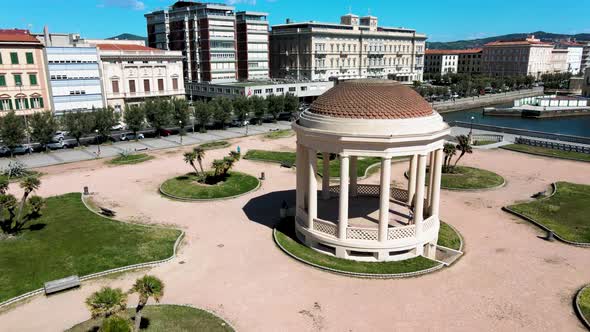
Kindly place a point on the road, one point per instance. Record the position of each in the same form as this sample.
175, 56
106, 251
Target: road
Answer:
113, 149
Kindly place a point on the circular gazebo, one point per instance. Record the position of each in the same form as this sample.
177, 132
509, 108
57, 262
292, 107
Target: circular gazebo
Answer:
369, 222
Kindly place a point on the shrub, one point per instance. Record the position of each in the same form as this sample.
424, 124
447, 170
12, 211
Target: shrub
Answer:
36, 203
15, 169
115, 323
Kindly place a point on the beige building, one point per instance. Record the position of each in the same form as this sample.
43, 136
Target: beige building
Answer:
355, 48
518, 57
23, 80
559, 58
132, 73
453, 61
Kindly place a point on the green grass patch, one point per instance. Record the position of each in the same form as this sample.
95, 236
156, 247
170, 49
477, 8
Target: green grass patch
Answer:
289, 158
130, 159
68, 239
484, 142
584, 303
285, 235
447, 237
280, 134
169, 318
214, 145
187, 187
554, 153
566, 212
464, 177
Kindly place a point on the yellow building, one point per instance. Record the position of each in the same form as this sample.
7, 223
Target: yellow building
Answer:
23, 79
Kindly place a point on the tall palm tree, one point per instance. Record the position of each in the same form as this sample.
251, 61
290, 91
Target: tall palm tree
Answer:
29, 184
106, 302
449, 150
464, 146
146, 287
189, 158
200, 154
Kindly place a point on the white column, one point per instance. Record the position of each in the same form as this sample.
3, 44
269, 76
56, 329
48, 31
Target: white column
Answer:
437, 171
419, 206
384, 196
312, 187
326, 175
300, 170
412, 178
353, 176
430, 180
343, 202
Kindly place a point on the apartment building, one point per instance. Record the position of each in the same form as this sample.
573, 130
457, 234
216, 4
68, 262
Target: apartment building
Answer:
586, 84
356, 48
585, 57
530, 56
453, 61
133, 73
559, 57
575, 53
205, 33
23, 80
252, 45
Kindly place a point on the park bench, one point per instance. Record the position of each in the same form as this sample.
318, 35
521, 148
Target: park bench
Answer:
286, 164
107, 212
61, 284
141, 149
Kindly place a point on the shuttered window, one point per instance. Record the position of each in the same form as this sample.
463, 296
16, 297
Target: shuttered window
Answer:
14, 58
2, 80
33, 79
30, 58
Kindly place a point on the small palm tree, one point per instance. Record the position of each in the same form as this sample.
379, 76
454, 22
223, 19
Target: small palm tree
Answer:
218, 167
106, 302
29, 184
228, 163
464, 146
200, 154
146, 287
235, 155
449, 150
189, 158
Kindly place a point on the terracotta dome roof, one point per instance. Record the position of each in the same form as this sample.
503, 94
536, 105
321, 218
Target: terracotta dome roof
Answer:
371, 99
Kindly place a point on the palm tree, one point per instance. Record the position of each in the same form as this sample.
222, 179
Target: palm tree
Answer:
189, 158
228, 163
106, 302
29, 184
449, 150
218, 166
464, 146
235, 155
200, 154
146, 287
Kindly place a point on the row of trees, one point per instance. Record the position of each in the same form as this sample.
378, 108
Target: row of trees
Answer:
557, 81
470, 85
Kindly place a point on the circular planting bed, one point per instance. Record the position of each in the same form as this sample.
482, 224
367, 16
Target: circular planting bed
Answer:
130, 159
280, 134
170, 318
188, 187
582, 304
214, 145
286, 240
471, 178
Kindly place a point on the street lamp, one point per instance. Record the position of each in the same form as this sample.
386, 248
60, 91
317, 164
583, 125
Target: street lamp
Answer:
98, 146
180, 132
20, 86
247, 122
471, 128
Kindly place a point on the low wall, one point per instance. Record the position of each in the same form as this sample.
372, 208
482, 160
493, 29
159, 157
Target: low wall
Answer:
485, 100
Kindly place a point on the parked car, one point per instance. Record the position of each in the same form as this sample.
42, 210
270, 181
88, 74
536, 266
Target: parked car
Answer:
61, 144
22, 149
59, 135
131, 136
4, 150
165, 132
119, 126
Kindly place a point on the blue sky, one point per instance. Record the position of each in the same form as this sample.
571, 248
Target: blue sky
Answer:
441, 20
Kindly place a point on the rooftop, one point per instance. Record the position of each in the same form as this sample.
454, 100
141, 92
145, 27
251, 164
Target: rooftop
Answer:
444, 52
125, 47
18, 36
372, 99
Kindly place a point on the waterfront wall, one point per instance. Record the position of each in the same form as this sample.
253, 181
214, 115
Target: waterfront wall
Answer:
485, 100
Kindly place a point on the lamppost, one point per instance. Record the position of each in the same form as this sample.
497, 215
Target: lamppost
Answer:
247, 122
98, 146
180, 132
20, 87
471, 129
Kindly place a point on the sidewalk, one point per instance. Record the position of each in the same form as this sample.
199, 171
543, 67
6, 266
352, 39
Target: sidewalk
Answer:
90, 152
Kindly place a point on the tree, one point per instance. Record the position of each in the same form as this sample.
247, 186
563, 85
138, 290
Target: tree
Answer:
276, 105
106, 302
180, 113
134, 117
218, 166
78, 124
260, 107
104, 120
235, 155
464, 146
28, 184
202, 113
222, 110
449, 150
115, 323
42, 127
189, 158
242, 108
12, 130
200, 155
291, 104
158, 114
146, 287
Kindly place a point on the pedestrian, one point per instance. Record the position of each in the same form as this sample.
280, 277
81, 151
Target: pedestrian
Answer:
238, 149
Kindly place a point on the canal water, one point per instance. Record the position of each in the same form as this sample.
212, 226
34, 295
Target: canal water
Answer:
576, 126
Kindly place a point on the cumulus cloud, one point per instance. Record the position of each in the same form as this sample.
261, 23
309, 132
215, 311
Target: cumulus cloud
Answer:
126, 4
241, 2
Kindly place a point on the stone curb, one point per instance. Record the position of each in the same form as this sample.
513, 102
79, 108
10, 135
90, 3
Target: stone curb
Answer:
115, 270
545, 228
355, 274
182, 199
470, 190
543, 155
577, 308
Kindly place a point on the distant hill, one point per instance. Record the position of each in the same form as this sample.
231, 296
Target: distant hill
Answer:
128, 36
475, 43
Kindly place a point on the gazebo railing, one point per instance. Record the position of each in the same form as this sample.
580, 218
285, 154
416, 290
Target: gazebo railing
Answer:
429, 224
371, 190
359, 233
398, 233
325, 227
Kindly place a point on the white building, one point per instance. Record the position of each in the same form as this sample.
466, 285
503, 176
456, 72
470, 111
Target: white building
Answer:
133, 73
355, 48
252, 45
74, 78
585, 57
441, 62
518, 57
575, 52
559, 57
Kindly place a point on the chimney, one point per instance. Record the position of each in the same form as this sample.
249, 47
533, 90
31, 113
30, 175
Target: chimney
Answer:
288, 20
46, 36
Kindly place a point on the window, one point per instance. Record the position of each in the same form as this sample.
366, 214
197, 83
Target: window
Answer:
21, 103
115, 85
257, 91
303, 88
2, 80
33, 79
37, 102
18, 80
132, 86
269, 90
146, 85
292, 89
5, 104
175, 83
29, 56
0, 58
160, 84
14, 58
280, 90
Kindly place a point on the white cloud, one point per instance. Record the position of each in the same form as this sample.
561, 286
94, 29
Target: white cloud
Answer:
126, 4
241, 2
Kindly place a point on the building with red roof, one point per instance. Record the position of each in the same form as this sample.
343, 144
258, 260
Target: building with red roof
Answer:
453, 61
529, 56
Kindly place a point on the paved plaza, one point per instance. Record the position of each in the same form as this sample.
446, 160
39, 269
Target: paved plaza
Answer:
508, 279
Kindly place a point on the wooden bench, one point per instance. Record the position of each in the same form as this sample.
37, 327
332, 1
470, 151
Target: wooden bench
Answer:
61, 284
107, 212
286, 164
